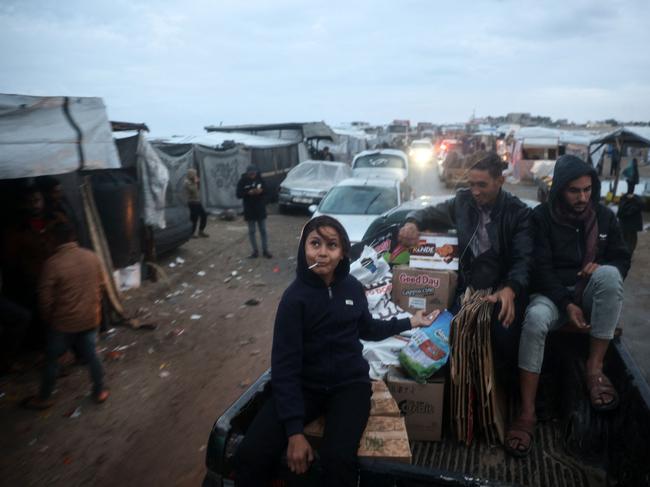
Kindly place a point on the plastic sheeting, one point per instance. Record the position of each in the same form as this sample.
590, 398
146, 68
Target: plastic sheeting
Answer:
37, 137
317, 175
153, 177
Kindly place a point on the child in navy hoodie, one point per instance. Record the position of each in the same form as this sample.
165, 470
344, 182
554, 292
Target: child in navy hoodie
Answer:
317, 365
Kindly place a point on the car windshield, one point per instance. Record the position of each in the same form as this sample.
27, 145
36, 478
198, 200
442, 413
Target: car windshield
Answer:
421, 145
359, 200
381, 161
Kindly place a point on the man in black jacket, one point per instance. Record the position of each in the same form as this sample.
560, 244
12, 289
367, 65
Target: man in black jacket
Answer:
252, 190
494, 241
578, 270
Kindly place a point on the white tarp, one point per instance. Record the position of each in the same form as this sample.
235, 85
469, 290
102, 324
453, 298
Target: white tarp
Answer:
216, 139
38, 135
153, 176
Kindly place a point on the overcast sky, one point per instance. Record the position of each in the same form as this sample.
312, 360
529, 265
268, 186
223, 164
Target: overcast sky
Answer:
180, 65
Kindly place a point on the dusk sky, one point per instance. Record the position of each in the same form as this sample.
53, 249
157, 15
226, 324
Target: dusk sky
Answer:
181, 65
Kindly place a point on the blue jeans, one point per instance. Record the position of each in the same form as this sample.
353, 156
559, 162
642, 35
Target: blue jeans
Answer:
251, 234
601, 303
57, 344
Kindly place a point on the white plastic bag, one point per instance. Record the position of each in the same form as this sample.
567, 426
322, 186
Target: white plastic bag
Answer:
369, 267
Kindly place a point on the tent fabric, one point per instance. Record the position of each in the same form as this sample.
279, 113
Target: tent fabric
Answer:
626, 137
296, 131
177, 165
540, 142
216, 139
220, 171
37, 137
153, 176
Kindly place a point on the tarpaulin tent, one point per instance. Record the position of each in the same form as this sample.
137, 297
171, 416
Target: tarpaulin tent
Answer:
53, 135
222, 158
620, 138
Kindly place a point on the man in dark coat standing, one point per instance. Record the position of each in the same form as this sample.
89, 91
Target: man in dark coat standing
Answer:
252, 190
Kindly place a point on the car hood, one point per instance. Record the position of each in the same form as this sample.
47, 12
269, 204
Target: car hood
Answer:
380, 172
355, 225
308, 185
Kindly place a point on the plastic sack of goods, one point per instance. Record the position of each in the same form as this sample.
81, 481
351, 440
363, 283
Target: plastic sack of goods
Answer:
428, 348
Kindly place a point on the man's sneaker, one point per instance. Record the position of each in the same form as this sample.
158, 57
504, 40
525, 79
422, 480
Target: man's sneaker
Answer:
203, 234
267, 255
254, 255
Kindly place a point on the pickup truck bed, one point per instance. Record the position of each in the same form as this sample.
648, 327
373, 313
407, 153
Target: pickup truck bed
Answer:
574, 446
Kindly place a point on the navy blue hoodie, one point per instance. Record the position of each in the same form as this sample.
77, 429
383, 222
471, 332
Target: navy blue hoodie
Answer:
316, 338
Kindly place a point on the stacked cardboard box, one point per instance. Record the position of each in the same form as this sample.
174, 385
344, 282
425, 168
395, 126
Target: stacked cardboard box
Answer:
435, 251
385, 435
423, 289
421, 404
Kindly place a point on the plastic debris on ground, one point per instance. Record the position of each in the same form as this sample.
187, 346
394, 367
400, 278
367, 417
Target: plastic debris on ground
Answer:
200, 273
276, 269
180, 260
195, 317
229, 316
176, 332
74, 413
164, 374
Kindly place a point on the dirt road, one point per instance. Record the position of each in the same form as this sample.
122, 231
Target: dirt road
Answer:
169, 385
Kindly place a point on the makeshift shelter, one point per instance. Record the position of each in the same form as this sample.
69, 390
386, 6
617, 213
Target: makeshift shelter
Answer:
621, 139
222, 158
69, 137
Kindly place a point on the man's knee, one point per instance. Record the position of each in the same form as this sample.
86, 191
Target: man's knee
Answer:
608, 277
537, 322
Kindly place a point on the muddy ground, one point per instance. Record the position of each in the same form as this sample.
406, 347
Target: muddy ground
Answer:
169, 385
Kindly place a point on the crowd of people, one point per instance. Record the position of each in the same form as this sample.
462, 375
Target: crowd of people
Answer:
562, 262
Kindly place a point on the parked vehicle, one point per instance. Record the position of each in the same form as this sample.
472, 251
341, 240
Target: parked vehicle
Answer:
385, 163
573, 445
356, 202
308, 182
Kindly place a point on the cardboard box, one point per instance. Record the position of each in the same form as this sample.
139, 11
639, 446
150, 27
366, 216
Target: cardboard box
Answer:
421, 404
423, 289
381, 402
385, 438
435, 251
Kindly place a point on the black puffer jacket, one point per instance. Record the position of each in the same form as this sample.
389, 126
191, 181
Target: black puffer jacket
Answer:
560, 247
254, 205
509, 233
316, 338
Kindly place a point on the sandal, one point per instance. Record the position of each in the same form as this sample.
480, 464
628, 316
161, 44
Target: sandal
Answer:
36, 403
102, 396
598, 385
522, 431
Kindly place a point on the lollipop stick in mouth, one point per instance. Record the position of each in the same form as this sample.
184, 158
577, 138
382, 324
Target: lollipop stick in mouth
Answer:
312, 266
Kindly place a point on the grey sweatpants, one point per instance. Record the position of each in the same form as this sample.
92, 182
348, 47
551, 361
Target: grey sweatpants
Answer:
601, 304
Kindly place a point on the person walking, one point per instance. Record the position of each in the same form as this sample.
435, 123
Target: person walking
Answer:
252, 190
630, 216
70, 296
198, 215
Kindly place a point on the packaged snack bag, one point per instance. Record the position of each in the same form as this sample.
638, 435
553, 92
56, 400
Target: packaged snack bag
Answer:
428, 348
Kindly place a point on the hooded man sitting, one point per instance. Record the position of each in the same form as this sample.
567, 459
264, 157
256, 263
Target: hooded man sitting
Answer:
580, 260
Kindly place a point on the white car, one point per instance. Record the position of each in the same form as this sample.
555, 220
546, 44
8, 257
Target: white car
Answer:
309, 181
421, 152
384, 163
387, 163
356, 203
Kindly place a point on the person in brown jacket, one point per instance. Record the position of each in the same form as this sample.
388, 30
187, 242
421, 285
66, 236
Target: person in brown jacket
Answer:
69, 295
